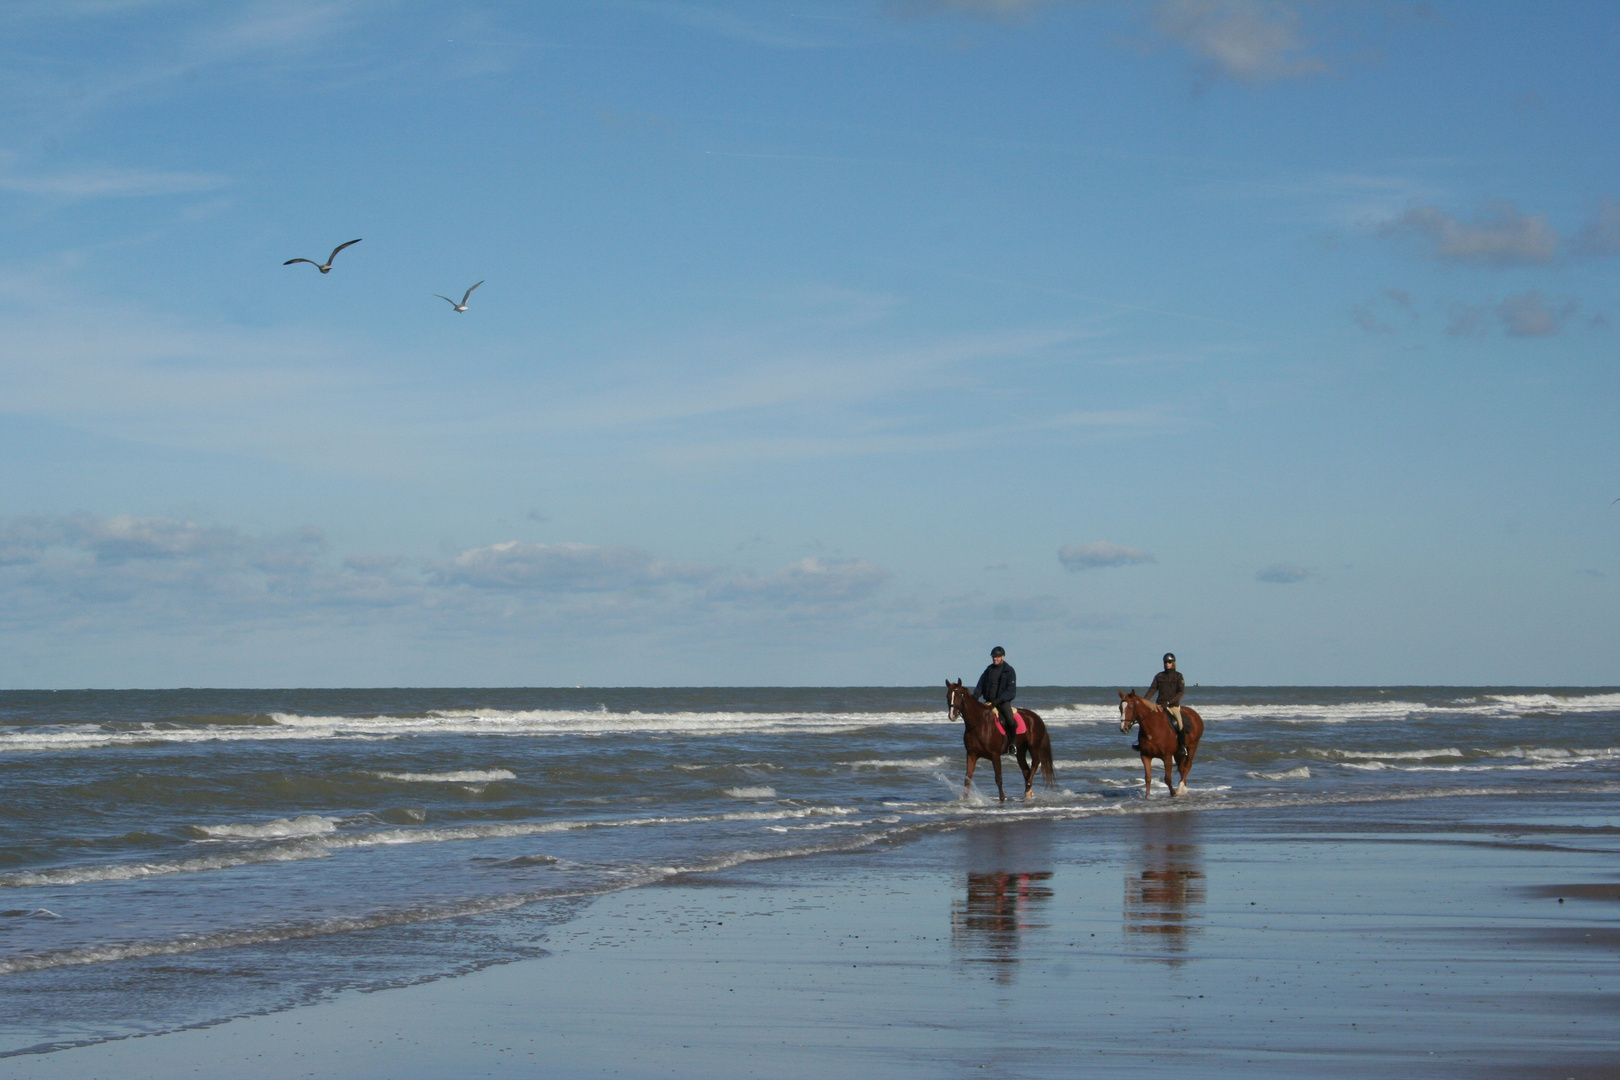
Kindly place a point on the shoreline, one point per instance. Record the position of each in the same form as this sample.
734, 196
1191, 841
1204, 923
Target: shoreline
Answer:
1250, 942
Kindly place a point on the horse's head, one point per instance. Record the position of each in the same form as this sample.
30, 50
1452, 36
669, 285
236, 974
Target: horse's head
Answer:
1127, 710
954, 695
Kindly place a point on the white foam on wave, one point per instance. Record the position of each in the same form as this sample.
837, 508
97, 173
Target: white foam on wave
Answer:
226, 939
1099, 763
898, 763
479, 832
1519, 704
817, 826
1392, 755
1301, 773
634, 876
1554, 753
528, 860
538, 723
279, 829
79, 875
744, 765
1539, 766
323, 844
760, 792
462, 776
579, 722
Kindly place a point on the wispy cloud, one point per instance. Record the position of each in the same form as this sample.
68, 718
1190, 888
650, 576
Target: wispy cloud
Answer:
230, 41
1282, 574
104, 183
1251, 41
744, 23
1532, 315
1499, 235
812, 582
561, 568
1374, 316
1465, 320
1247, 40
1599, 236
998, 9
1098, 554
772, 377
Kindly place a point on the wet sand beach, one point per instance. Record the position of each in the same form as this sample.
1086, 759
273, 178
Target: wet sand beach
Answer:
1404, 939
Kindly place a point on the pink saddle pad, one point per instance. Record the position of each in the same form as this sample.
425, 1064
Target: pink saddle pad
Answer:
1018, 718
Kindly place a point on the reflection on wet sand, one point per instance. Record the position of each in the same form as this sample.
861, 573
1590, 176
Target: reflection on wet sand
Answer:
1000, 906
1163, 892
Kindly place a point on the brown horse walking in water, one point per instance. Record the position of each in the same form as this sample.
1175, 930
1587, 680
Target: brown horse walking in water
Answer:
983, 737
1158, 739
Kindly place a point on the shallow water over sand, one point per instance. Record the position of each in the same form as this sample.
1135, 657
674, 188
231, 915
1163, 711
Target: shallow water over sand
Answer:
171, 858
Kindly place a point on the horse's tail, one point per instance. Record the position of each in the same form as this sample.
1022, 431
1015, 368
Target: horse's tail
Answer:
1043, 754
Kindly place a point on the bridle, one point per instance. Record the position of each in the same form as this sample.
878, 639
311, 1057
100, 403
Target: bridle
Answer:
955, 702
1127, 715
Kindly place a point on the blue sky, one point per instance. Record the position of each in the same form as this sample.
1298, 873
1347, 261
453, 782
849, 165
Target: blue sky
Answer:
821, 343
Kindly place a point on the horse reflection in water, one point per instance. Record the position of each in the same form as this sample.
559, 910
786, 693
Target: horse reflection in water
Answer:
1164, 892
1000, 906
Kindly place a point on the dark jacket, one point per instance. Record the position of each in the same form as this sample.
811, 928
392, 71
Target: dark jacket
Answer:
1169, 685
998, 684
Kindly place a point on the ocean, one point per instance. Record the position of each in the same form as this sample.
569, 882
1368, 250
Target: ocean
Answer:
174, 858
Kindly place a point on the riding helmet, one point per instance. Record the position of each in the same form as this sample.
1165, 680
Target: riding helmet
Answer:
997, 651
1169, 657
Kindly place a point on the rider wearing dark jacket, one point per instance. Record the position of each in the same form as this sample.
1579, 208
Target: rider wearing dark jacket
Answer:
998, 686
1167, 687
1168, 684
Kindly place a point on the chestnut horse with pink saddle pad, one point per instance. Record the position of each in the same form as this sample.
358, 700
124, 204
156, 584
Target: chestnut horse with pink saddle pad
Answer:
983, 737
1158, 739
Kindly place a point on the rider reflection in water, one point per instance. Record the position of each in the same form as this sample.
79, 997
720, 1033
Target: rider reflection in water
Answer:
998, 909
1167, 688
998, 686
1163, 897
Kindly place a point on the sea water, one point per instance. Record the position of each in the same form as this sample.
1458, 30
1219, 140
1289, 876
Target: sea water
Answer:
174, 858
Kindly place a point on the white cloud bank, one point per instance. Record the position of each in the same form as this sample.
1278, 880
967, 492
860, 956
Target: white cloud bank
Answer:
127, 572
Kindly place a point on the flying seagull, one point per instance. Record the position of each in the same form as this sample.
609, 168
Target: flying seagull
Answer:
461, 306
325, 268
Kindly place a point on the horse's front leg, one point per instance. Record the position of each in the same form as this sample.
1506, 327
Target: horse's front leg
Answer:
967, 784
1028, 770
1185, 761
1147, 775
996, 761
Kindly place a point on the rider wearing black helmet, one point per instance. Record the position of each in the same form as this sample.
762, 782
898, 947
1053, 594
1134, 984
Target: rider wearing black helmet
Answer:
1167, 687
998, 686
